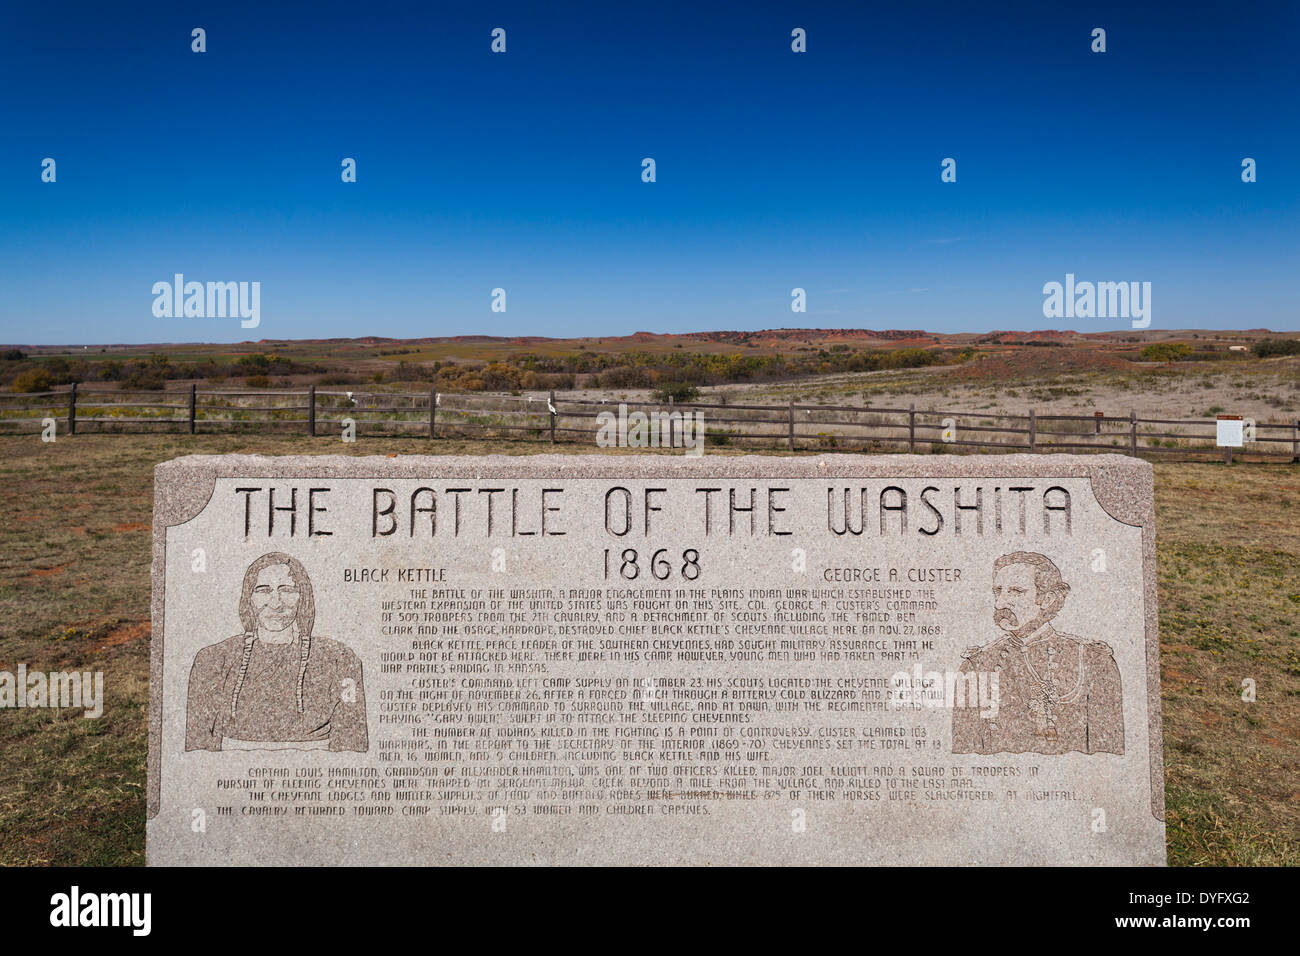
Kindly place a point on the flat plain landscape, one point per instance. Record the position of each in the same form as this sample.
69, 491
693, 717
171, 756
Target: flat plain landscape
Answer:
855, 387
1167, 374
75, 591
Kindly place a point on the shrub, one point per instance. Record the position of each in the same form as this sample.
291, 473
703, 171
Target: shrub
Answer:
411, 372
675, 391
33, 380
500, 377
142, 377
624, 376
466, 383
1277, 347
257, 381
1166, 352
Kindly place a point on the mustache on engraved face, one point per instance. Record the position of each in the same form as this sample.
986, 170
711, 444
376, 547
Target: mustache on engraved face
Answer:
277, 619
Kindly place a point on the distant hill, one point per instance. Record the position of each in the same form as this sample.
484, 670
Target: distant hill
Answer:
782, 339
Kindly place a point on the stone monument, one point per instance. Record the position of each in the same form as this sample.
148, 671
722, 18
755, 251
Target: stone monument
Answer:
616, 659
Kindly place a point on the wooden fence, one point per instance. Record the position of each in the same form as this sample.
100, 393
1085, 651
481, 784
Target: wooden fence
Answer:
548, 418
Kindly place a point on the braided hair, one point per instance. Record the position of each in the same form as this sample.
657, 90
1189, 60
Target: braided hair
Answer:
304, 644
249, 638
306, 617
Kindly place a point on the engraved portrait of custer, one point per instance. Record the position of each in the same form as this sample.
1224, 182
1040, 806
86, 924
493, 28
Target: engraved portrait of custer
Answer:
277, 685
1056, 693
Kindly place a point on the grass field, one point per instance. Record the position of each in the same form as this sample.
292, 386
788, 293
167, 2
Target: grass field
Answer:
75, 587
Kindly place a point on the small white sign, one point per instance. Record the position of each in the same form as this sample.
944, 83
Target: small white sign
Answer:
1229, 432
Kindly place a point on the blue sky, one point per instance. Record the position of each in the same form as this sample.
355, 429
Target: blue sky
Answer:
522, 170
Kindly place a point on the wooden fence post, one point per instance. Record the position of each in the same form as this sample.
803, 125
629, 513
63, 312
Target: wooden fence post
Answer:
1133, 432
1295, 442
311, 410
433, 411
790, 419
193, 389
550, 404
670, 423
1033, 431
911, 428
72, 410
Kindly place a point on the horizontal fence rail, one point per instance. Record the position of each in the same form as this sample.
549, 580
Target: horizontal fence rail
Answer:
548, 418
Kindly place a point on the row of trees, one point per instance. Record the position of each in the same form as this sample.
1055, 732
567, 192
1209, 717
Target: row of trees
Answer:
640, 369
611, 370
1182, 352
26, 374
1270, 347
614, 370
489, 377
625, 370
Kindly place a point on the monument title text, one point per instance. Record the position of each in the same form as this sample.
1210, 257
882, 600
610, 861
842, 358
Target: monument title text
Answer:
708, 509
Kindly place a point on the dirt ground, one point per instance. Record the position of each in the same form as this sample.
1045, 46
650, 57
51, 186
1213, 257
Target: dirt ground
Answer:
1050, 381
